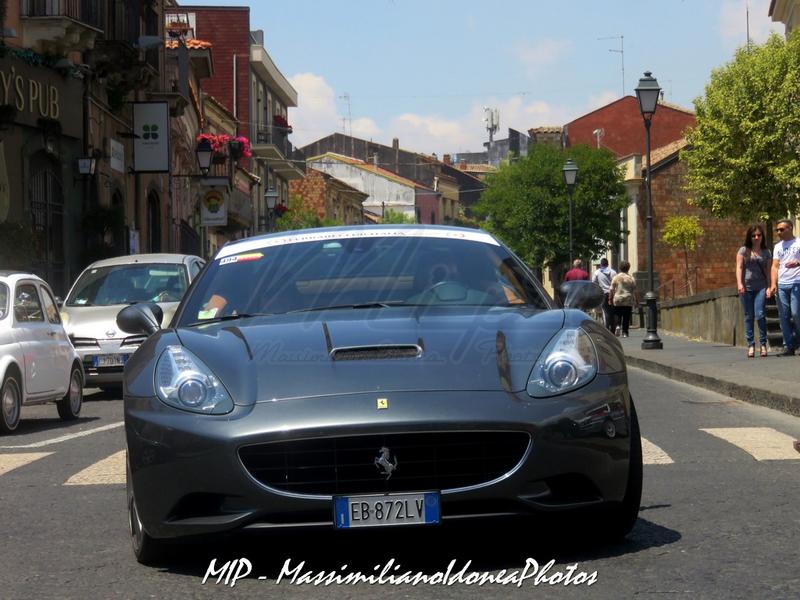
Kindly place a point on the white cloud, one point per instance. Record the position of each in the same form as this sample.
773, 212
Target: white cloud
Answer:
733, 21
542, 54
317, 115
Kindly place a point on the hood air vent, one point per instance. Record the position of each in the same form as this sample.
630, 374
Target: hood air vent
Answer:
376, 352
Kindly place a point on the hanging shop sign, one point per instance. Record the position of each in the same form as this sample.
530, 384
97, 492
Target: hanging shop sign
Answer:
213, 209
117, 154
151, 144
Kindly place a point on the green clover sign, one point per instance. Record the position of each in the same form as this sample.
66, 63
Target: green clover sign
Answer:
150, 132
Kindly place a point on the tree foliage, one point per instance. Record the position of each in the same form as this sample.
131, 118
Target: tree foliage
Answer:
301, 215
744, 154
526, 204
682, 232
396, 218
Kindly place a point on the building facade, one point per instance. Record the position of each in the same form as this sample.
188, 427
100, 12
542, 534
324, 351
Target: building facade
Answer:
786, 12
330, 198
257, 95
385, 190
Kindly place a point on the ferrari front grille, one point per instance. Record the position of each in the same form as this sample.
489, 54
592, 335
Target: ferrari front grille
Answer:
358, 464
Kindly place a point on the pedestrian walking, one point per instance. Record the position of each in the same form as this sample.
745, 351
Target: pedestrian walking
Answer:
576, 273
753, 267
785, 284
602, 277
624, 296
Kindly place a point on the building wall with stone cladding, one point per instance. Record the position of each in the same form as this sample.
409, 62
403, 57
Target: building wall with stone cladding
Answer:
713, 264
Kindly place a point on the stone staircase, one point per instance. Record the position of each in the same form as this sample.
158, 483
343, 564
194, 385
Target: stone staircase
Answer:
774, 336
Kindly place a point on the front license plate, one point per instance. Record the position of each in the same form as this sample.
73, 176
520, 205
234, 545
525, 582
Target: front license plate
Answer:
386, 509
109, 360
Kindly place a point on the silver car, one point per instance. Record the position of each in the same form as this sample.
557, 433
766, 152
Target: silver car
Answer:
103, 288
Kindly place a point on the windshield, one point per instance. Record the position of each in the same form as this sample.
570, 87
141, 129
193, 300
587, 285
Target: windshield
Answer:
359, 272
3, 300
124, 284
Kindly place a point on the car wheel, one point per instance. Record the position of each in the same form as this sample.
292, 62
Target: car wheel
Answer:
69, 407
146, 549
622, 517
11, 400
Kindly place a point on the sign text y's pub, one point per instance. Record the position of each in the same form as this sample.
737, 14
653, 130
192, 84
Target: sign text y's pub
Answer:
41, 125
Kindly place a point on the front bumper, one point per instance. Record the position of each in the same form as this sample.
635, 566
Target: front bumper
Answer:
99, 375
188, 479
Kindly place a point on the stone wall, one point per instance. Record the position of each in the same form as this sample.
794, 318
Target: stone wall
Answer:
714, 316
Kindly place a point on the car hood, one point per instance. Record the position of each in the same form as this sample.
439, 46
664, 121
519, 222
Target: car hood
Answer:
341, 352
99, 321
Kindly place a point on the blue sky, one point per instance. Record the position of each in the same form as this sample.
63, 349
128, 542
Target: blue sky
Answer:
422, 70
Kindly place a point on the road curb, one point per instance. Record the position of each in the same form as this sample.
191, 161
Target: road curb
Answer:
782, 402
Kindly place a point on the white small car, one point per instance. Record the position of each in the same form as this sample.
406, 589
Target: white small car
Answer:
37, 361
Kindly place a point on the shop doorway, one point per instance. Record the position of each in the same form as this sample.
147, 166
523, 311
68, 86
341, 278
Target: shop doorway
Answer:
46, 205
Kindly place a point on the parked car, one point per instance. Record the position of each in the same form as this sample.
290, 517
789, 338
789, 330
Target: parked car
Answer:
92, 304
37, 362
374, 376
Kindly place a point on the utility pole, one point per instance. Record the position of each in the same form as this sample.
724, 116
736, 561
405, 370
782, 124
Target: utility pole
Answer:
621, 53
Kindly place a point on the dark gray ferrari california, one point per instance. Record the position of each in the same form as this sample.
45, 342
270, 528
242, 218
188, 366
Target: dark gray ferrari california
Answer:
374, 376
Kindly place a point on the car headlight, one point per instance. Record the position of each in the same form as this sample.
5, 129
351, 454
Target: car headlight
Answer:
568, 362
183, 381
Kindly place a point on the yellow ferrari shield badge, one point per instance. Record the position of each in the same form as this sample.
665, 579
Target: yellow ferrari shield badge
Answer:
382, 403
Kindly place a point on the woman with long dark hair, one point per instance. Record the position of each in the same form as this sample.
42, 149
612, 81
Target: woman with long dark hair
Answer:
753, 278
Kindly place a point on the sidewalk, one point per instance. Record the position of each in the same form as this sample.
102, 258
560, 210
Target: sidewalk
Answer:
773, 382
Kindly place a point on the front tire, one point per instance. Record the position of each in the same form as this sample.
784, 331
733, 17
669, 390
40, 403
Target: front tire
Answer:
69, 407
146, 549
10, 403
622, 517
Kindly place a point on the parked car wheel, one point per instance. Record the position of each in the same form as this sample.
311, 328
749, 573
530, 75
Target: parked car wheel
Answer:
11, 404
69, 407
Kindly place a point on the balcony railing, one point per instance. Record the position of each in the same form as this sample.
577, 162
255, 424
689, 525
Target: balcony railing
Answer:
89, 12
279, 137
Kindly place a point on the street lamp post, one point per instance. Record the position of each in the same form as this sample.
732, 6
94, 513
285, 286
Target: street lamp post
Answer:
271, 196
647, 92
570, 172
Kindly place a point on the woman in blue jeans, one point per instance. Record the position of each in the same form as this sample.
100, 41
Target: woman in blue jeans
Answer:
753, 262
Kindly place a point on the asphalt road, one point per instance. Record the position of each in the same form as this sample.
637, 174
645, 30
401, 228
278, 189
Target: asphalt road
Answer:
719, 519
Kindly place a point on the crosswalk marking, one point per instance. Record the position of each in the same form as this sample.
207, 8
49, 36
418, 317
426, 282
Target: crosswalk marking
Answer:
762, 443
653, 455
67, 437
105, 472
9, 462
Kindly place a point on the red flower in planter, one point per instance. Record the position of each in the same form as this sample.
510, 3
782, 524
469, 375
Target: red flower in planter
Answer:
280, 121
280, 209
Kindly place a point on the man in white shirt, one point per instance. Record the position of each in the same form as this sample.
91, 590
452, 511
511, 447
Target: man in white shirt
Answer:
603, 277
786, 284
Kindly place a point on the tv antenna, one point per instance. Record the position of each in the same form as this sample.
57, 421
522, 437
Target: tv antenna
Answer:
346, 98
621, 53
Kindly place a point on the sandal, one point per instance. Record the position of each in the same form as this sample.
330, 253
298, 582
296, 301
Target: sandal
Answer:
751, 352
763, 351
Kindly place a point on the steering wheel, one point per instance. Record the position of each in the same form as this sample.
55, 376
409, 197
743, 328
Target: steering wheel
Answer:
446, 291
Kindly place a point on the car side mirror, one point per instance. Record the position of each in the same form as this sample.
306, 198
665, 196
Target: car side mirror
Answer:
582, 295
140, 318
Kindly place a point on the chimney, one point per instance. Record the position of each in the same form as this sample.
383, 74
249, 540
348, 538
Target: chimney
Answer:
396, 151
463, 165
446, 159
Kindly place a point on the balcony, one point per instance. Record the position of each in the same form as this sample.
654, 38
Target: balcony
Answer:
272, 144
61, 26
